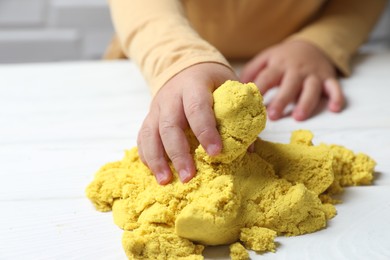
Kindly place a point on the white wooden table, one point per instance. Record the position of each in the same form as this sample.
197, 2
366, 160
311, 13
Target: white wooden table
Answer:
59, 122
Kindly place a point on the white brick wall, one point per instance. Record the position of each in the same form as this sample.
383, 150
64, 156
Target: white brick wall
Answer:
52, 30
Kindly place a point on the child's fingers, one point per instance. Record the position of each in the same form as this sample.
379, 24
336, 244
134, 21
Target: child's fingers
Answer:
333, 90
268, 78
308, 99
200, 116
139, 148
171, 124
153, 151
289, 89
252, 68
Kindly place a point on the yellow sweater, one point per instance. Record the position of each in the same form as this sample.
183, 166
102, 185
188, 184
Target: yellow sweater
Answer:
166, 36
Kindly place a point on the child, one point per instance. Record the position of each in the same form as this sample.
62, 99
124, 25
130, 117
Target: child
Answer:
182, 46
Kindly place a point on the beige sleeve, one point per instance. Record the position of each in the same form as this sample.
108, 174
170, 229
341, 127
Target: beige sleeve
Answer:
158, 37
341, 28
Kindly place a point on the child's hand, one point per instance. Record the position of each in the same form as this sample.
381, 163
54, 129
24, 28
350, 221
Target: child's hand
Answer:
184, 101
303, 73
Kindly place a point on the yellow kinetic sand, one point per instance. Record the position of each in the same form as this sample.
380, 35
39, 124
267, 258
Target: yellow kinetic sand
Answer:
237, 198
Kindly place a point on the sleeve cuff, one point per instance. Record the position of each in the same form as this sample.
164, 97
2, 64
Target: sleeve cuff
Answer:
158, 82
335, 54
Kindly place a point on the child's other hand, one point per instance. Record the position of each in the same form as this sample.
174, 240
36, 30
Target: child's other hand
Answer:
302, 72
184, 101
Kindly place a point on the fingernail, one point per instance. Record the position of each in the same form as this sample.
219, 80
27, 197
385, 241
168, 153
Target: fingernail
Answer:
212, 149
299, 115
184, 175
335, 107
161, 177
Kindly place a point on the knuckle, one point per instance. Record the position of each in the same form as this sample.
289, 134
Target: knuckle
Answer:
165, 127
155, 162
146, 132
203, 132
178, 158
193, 108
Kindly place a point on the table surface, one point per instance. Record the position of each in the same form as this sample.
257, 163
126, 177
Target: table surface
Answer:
59, 122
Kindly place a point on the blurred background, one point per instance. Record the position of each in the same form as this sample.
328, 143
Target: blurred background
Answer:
63, 30
53, 30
